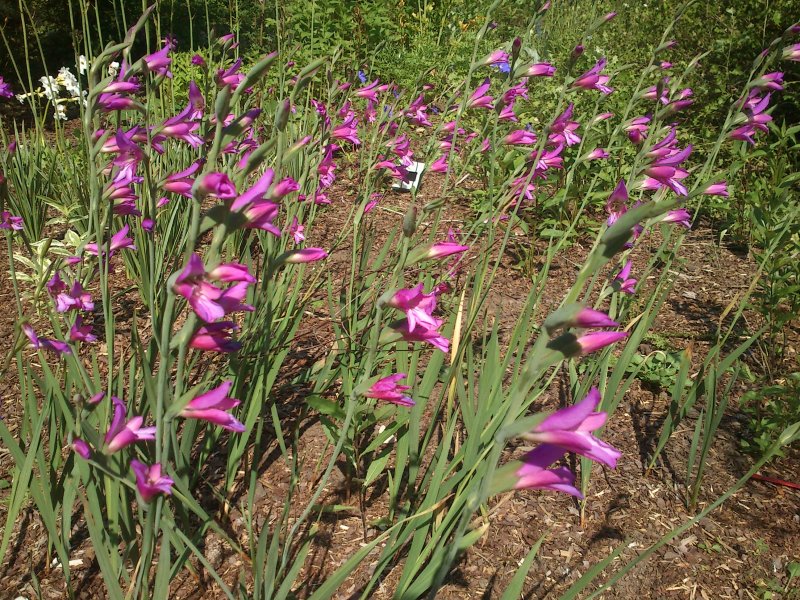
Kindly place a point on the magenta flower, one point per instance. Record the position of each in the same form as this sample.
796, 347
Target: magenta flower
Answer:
754, 118
436, 251
421, 333
719, 188
159, 61
215, 337
562, 129
596, 340
348, 130
571, 429
680, 216
284, 187
370, 91
261, 214
305, 255
538, 70
479, 98
230, 76
45, 343
623, 280
637, 129
789, 53
208, 301
495, 58
596, 154
534, 474
55, 285
388, 389
664, 170
520, 137
213, 406
593, 79
125, 432
589, 317
5, 89
81, 448
417, 112
149, 480
9, 221
218, 185
417, 305
182, 182
440, 165
80, 332
296, 231
769, 81
76, 299
198, 61
119, 241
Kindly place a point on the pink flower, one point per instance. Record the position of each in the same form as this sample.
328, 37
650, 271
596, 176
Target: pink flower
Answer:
570, 429
119, 241
562, 129
80, 332
230, 76
792, 53
479, 98
520, 137
593, 79
77, 299
623, 280
680, 216
9, 221
45, 343
125, 432
596, 154
296, 231
417, 305
208, 301
534, 474
596, 340
181, 183
588, 317
719, 188
159, 61
213, 406
215, 337
149, 480
306, 255
440, 165
388, 389
5, 89
637, 129
424, 334
81, 448
538, 70
218, 185
495, 58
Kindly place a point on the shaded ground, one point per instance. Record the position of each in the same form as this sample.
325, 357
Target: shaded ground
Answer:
740, 551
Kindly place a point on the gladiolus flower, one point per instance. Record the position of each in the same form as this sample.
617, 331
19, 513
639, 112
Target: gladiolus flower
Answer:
45, 343
125, 432
769, 81
680, 216
435, 251
149, 480
213, 406
296, 230
792, 53
159, 61
593, 79
534, 474
588, 317
520, 137
388, 389
81, 448
230, 76
623, 281
80, 332
562, 129
570, 429
417, 305
9, 221
717, 189
218, 185
305, 255
495, 58
597, 154
119, 241
479, 98
424, 334
208, 301
537, 70
596, 340
440, 165
215, 337
5, 89
77, 299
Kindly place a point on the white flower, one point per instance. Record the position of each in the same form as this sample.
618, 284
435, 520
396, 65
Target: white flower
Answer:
113, 69
50, 86
61, 112
83, 64
69, 81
